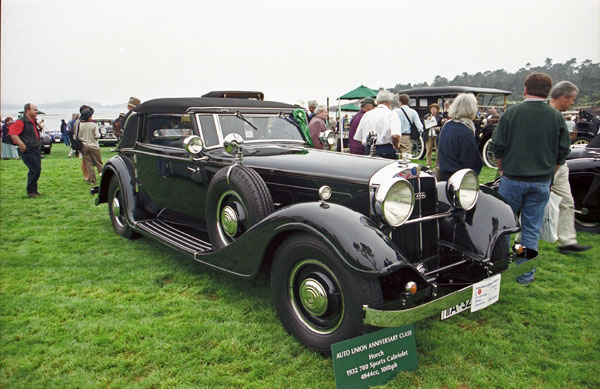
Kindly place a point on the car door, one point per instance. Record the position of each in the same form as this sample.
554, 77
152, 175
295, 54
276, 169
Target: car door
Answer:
173, 184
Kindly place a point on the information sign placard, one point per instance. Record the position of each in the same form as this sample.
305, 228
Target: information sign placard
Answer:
373, 359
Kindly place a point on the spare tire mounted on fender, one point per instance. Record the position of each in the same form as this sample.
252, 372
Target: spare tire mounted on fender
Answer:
237, 199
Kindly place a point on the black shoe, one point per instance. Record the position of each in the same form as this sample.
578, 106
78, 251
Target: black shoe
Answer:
573, 248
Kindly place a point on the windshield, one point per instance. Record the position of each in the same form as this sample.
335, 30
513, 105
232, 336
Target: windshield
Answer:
484, 100
268, 127
490, 106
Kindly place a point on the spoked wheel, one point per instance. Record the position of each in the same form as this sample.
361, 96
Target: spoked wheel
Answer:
417, 148
580, 141
237, 199
488, 157
318, 301
116, 209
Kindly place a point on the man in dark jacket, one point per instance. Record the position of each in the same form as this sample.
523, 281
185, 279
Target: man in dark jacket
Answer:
530, 143
25, 133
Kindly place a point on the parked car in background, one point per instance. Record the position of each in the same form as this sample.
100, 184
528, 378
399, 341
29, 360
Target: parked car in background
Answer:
55, 135
349, 241
46, 143
586, 126
584, 177
107, 135
492, 104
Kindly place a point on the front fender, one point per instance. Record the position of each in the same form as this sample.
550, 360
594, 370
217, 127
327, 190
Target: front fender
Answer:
353, 238
477, 230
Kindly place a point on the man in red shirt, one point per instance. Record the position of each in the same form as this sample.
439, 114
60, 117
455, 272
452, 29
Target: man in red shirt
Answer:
25, 133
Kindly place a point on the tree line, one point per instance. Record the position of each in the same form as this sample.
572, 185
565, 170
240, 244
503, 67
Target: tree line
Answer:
585, 75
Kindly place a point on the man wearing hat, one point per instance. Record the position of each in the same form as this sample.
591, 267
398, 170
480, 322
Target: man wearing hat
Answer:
25, 134
119, 123
312, 105
356, 147
385, 123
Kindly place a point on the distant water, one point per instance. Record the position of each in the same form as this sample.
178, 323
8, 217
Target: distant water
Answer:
52, 117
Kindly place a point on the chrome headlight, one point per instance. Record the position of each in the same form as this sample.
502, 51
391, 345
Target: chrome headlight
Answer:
462, 189
193, 144
328, 137
394, 201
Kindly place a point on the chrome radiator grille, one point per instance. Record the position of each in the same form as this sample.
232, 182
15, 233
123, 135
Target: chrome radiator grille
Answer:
419, 241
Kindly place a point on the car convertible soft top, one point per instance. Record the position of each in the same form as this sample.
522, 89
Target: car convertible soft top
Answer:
185, 104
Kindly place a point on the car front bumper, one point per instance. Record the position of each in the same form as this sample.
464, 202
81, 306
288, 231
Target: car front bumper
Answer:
382, 318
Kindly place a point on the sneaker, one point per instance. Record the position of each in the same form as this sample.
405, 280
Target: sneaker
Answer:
525, 279
573, 248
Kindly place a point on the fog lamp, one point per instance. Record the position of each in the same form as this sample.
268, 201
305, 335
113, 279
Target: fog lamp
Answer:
411, 287
193, 144
325, 193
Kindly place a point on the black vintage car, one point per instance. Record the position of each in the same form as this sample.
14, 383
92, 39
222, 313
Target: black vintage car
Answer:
349, 241
491, 103
46, 143
107, 134
584, 177
587, 126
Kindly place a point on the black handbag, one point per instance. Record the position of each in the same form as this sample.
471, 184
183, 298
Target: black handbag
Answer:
77, 144
414, 131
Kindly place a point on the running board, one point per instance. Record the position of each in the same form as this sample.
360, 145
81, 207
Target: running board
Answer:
173, 236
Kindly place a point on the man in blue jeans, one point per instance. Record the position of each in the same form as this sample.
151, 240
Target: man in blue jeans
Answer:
530, 143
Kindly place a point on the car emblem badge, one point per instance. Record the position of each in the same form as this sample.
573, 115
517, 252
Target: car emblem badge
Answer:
420, 196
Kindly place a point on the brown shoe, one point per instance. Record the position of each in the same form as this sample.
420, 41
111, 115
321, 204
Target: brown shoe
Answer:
35, 194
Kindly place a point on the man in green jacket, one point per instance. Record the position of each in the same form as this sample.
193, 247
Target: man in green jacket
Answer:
530, 143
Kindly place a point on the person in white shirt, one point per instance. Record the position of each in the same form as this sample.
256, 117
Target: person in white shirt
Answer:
407, 115
385, 123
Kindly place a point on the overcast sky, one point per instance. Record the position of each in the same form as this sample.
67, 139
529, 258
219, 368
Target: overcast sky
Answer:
108, 50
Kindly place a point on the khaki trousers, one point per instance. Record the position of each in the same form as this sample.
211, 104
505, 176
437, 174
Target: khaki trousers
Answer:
566, 216
91, 158
405, 145
431, 142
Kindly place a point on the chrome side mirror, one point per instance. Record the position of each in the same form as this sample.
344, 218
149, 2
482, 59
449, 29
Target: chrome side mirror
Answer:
193, 144
233, 145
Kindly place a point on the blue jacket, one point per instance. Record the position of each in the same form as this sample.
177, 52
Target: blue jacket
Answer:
458, 149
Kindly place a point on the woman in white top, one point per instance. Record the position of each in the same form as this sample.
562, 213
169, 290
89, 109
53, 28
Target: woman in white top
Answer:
88, 134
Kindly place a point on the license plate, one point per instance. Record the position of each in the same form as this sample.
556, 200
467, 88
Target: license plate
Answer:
455, 310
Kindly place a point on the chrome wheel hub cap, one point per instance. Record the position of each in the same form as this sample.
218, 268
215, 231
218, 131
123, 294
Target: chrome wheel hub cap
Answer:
313, 297
229, 221
116, 206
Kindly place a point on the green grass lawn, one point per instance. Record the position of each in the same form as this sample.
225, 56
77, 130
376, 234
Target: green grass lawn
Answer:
82, 307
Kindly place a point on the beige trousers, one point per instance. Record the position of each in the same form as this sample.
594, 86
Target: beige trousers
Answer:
91, 158
566, 216
405, 145
431, 140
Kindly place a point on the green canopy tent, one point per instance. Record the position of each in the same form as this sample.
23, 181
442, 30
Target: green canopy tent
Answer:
359, 93
355, 94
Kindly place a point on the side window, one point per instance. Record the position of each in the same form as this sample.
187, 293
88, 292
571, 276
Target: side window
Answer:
168, 130
208, 130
